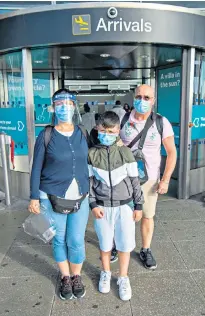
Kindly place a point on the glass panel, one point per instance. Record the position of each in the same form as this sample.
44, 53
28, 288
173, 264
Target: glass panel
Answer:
12, 108
43, 87
197, 148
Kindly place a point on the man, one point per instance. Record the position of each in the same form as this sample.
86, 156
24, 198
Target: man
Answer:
117, 108
143, 106
88, 119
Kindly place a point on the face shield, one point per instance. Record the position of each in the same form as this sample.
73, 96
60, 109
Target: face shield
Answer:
66, 109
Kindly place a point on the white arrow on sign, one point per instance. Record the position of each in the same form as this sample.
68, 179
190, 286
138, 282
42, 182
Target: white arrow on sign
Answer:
20, 126
196, 122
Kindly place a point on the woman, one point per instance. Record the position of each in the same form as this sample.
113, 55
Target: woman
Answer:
60, 177
127, 108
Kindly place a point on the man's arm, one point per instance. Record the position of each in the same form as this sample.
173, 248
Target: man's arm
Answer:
170, 148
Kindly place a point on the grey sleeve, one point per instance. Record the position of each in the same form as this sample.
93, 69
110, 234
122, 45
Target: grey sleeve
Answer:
92, 198
137, 193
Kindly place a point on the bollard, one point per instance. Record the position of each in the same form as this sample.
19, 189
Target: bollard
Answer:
5, 168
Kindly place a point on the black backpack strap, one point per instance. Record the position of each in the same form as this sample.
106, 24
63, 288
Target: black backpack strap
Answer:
124, 120
142, 135
159, 123
47, 135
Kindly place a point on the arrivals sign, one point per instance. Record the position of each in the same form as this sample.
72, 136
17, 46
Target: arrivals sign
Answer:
81, 24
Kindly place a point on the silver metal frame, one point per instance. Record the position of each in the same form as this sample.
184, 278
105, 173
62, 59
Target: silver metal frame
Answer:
188, 59
29, 98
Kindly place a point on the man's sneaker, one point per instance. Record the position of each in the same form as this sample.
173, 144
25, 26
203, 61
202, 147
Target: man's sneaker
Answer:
66, 292
125, 291
78, 287
148, 259
114, 255
104, 283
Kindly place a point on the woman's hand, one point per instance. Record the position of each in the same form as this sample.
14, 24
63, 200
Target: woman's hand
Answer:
34, 206
98, 212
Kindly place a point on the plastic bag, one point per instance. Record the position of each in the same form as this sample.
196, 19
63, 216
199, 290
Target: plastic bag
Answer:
40, 226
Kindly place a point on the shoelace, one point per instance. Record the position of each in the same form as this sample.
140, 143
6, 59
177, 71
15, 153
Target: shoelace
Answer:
105, 277
123, 283
149, 255
77, 283
66, 283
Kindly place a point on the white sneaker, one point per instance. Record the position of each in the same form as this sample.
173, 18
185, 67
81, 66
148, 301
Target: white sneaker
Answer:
125, 291
104, 283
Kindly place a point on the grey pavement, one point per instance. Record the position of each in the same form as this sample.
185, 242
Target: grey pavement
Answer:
29, 278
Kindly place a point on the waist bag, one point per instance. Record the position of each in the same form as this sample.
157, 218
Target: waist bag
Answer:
64, 206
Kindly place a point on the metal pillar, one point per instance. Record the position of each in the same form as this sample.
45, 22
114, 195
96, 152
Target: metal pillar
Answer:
28, 88
6, 168
188, 59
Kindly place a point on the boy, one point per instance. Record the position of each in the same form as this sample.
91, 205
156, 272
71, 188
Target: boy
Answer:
114, 186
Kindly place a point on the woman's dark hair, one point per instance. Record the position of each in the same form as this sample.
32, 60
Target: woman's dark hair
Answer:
109, 119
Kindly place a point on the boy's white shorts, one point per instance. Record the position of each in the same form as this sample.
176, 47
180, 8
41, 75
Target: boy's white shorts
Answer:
117, 225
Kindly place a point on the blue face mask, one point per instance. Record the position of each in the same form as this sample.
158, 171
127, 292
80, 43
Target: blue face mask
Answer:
107, 139
64, 113
141, 106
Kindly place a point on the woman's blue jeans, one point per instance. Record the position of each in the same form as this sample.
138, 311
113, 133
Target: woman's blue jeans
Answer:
69, 241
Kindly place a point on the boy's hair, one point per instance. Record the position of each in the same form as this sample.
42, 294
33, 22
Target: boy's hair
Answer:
109, 119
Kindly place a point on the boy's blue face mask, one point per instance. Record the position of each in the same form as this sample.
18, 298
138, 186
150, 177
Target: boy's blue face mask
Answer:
64, 113
141, 106
107, 139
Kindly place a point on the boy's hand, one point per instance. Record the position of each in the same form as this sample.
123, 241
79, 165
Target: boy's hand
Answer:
137, 215
98, 212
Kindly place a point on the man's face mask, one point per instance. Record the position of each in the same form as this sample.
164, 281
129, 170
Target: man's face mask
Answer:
142, 103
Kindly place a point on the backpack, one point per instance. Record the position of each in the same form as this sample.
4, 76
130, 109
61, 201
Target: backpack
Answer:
138, 154
49, 128
155, 117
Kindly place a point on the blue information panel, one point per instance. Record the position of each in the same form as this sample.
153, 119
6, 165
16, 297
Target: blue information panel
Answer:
16, 94
169, 93
13, 123
38, 129
198, 119
169, 99
42, 97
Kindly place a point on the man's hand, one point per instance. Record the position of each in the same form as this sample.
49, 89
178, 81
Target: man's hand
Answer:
137, 215
34, 206
98, 212
163, 187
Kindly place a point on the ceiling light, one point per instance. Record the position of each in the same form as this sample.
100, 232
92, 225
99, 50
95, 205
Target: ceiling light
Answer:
171, 60
65, 57
38, 61
144, 56
104, 55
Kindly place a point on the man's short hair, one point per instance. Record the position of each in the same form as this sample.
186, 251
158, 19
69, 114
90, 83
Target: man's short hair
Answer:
109, 119
118, 102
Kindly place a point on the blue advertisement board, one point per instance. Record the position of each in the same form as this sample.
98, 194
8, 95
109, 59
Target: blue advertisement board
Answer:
169, 99
198, 120
13, 123
42, 97
169, 93
41, 91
